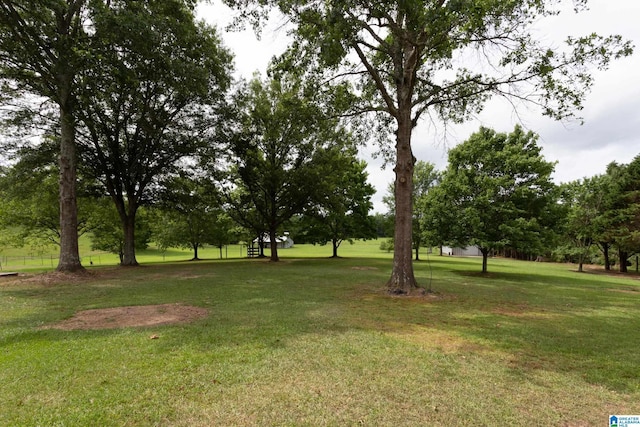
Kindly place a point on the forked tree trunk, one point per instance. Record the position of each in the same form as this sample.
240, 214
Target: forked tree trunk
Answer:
402, 279
128, 221
195, 252
335, 248
69, 252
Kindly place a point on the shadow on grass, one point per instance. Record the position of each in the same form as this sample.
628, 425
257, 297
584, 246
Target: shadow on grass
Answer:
543, 320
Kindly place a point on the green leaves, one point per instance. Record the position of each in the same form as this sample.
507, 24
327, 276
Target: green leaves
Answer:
498, 191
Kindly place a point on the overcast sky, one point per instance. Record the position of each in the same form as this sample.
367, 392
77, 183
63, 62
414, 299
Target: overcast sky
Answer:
611, 131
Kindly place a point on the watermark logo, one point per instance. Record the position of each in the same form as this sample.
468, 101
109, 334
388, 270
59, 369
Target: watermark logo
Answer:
624, 420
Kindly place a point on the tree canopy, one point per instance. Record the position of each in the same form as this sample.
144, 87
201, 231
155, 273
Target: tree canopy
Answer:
413, 58
279, 158
342, 212
499, 188
43, 46
151, 96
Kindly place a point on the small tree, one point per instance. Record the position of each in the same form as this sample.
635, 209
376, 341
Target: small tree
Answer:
190, 215
584, 200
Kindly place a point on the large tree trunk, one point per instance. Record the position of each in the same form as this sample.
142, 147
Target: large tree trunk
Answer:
622, 256
195, 252
129, 228
128, 221
69, 252
335, 248
402, 279
274, 245
485, 255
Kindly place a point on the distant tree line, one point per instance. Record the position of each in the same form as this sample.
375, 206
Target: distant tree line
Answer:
497, 194
122, 122
133, 103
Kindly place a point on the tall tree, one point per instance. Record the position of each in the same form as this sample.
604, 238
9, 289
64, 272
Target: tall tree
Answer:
500, 190
438, 222
278, 158
150, 98
413, 59
42, 47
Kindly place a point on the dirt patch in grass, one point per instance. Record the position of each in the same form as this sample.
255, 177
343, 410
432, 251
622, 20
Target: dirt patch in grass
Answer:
132, 316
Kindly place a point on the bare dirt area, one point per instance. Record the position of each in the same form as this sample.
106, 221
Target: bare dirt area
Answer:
132, 316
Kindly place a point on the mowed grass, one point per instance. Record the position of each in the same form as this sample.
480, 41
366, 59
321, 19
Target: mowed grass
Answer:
27, 259
316, 341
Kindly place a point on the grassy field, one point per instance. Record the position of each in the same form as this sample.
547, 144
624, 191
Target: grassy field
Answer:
316, 341
45, 259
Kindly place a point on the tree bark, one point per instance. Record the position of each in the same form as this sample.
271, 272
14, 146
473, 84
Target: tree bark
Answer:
622, 258
129, 225
69, 252
335, 248
605, 254
485, 256
274, 245
127, 215
195, 252
402, 279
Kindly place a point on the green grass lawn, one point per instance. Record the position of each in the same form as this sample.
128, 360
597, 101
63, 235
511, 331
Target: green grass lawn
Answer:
316, 341
46, 259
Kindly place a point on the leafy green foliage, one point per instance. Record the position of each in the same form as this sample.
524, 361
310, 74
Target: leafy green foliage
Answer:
150, 98
499, 191
410, 58
586, 202
342, 212
283, 157
107, 233
621, 219
190, 216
